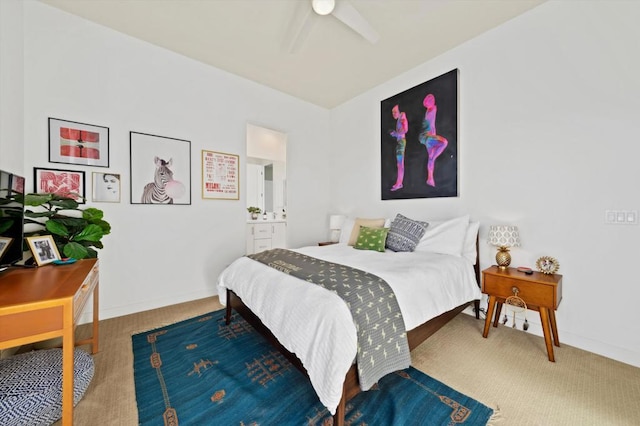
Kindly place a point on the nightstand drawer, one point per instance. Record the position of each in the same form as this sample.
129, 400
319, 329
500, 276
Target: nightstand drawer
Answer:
536, 290
532, 293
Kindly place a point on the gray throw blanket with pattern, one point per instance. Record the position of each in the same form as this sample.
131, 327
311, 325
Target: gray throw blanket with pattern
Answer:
382, 339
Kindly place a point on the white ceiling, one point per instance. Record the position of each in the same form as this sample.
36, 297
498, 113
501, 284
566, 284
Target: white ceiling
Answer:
332, 64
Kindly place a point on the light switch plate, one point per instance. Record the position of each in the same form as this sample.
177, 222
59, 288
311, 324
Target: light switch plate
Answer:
621, 217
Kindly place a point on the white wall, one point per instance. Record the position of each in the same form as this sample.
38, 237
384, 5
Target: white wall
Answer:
548, 140
160, 255
11, 86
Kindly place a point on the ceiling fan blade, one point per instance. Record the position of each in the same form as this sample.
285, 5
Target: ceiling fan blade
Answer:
300, 28
348, 14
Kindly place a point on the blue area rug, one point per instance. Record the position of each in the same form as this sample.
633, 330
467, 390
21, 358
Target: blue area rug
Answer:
202, 372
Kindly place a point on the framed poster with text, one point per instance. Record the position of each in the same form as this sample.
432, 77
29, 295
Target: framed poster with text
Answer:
220, 176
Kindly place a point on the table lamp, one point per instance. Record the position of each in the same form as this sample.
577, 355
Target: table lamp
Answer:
504, 237
335, 224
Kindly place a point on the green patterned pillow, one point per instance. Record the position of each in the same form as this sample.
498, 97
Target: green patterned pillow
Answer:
371, 238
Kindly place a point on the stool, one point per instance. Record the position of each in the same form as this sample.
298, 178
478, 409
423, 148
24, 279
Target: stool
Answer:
31, 386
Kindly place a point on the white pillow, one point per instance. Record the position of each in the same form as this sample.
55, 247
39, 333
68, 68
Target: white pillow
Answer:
445, 237
469, 247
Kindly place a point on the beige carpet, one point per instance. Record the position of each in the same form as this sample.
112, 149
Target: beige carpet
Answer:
508, 371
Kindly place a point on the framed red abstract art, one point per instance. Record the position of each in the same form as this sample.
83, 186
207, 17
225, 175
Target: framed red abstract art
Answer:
78, 143
67, 183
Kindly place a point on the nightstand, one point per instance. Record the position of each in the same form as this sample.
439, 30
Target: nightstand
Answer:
541, 293
327, 243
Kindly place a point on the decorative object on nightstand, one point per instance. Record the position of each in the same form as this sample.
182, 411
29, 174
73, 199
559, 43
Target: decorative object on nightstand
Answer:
547, 265
504, 237
335, 224
517, 305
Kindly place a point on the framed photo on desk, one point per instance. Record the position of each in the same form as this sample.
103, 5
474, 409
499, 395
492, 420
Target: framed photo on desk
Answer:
44, 249
5, 242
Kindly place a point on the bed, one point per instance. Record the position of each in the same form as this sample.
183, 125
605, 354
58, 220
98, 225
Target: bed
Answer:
314, 328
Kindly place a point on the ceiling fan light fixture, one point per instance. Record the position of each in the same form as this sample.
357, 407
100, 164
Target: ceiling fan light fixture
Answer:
323, 7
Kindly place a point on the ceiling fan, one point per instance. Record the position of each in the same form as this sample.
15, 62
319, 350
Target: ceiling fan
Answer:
342, 10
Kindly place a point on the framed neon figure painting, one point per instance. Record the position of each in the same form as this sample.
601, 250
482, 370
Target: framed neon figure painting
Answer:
419, 140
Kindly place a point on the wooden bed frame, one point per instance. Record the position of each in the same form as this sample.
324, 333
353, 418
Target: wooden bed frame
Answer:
351, 385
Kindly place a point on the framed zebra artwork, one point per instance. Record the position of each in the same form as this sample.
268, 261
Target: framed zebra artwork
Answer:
71, 142
160, 169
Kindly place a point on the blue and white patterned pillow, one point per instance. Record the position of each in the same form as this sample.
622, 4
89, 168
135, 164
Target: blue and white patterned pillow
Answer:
405, 233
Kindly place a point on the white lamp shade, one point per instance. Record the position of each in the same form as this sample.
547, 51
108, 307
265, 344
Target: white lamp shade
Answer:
504, 236
336, 221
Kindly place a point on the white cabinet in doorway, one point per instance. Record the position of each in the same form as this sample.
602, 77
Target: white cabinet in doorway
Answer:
263, 236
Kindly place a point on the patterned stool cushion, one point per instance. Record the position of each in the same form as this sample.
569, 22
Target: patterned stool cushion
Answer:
31, 386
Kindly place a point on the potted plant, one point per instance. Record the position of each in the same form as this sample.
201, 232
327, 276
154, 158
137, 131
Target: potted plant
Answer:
77, 232
255, 211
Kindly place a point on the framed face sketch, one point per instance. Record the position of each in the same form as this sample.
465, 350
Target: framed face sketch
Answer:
106, 187
44, 249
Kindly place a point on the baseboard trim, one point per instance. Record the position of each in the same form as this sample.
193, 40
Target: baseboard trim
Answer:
118, 311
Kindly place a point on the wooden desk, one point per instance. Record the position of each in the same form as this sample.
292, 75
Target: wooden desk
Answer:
540, 292
44, 303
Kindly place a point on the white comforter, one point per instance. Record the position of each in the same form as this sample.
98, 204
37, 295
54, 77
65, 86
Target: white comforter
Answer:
316, 324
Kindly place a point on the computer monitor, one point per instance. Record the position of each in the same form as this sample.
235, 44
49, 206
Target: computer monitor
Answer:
11, 218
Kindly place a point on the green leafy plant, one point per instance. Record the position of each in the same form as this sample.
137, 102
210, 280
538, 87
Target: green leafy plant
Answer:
77, 232
254, 210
